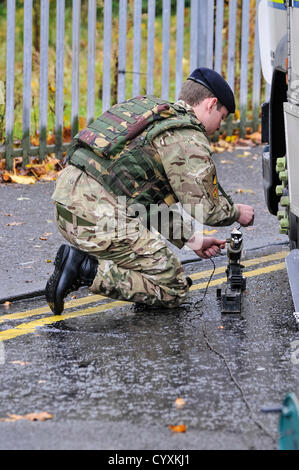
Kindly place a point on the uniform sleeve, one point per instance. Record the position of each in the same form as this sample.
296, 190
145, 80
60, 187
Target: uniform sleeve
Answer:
186, 157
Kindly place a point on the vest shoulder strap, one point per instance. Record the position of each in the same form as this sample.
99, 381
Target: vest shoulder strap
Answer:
177, 122
109, 133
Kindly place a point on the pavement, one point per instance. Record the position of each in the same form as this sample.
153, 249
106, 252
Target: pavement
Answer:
29, 238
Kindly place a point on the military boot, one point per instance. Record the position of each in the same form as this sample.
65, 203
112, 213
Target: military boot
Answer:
73, 268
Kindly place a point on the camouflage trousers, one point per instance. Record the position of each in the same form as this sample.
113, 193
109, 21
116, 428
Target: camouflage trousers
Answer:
134, 265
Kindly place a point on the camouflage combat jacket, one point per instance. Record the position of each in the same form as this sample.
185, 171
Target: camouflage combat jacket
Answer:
168, 161
116, 149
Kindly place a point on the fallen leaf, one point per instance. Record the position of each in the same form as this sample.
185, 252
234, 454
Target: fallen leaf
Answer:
15, 223
243, 155
209, 232
35, 141
256, 137
48, 261
48, 177
220, 327
82, 122
50, 139
43, 238
67, 134
180, 403
244, 142
178, 428
21, 363
30, 416
245, 191
20, 179
231, 138
33, 171
11, 418
38, 416
226, 162
218, 149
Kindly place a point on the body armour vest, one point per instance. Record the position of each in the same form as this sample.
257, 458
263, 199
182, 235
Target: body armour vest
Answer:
116, 149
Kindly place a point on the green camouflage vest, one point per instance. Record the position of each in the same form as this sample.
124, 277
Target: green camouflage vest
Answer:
116, 149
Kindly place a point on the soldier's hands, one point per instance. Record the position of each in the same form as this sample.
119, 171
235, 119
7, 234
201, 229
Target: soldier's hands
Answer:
246, 215
210, 247
205, 247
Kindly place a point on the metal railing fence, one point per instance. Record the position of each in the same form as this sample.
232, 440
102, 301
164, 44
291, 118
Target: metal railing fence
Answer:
78, 57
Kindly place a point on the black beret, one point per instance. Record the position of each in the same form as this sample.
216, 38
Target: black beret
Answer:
216, 84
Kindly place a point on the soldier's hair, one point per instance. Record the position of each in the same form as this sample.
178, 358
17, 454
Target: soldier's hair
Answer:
194, 93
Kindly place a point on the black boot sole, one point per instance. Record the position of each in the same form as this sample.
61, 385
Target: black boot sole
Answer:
55, 305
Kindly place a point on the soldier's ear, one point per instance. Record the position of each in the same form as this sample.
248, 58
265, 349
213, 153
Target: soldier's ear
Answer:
212, 103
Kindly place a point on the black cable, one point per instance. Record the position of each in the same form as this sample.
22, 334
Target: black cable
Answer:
251, 413
194, 306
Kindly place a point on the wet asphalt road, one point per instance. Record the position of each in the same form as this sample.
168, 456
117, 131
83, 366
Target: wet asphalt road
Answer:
109, 375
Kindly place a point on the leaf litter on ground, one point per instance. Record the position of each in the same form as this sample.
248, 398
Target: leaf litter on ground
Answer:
50, 168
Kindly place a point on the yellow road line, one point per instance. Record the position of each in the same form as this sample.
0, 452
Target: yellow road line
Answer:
249, 262
39, 311
254, 272
94, 298
31, 327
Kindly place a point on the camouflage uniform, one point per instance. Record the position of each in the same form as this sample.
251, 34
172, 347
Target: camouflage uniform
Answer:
136, 264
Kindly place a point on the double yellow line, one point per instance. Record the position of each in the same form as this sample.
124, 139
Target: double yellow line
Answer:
251, 262
31, 327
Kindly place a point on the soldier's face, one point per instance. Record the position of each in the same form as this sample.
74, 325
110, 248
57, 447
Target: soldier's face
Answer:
210, 115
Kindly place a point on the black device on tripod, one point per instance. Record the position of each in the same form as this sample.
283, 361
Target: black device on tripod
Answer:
230, 295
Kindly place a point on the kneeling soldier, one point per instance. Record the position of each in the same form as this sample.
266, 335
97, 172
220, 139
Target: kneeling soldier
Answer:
127, 169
